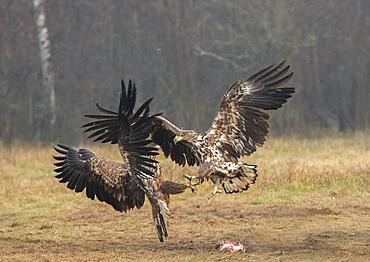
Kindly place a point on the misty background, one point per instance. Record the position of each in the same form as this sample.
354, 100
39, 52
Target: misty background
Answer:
183, 53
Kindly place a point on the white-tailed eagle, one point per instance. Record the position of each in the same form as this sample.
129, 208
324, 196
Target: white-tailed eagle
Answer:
240, 125
123, 185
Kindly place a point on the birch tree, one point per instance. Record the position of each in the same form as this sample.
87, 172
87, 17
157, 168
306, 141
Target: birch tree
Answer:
45, 56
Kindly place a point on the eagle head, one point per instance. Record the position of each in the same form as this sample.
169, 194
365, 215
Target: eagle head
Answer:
186, 135
177, 139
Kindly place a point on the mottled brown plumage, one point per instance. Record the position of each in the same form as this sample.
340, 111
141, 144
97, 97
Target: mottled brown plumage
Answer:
240, 125
108, 181
121, 185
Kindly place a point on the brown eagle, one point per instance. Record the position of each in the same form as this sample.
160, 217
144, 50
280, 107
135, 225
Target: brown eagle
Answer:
240, 125
122, 185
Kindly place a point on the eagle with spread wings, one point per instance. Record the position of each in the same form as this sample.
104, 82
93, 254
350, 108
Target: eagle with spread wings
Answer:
123, 185
240, 125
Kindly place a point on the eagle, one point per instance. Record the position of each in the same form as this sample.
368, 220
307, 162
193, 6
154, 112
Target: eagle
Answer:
240, 125
123, 185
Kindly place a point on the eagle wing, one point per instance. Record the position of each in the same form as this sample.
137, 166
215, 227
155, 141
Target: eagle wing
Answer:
163, 134
106, 129
129, 129
242, 123
108, 181
120, 185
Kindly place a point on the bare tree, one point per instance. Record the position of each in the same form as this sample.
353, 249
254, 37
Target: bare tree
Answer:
183, 53
45, 56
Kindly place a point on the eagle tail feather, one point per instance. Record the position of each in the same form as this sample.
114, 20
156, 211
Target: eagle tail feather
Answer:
160, 215
240, 181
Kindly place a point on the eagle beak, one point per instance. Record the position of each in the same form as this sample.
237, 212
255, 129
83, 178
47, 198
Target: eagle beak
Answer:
177, 139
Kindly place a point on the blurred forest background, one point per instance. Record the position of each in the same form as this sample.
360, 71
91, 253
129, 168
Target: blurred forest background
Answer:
185, 54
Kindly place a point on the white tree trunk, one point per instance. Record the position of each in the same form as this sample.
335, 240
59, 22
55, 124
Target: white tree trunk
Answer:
45, 55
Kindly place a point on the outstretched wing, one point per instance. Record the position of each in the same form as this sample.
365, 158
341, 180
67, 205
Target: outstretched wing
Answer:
108, 181
120, 185
242, 123
131, 130
185, 151
107, 128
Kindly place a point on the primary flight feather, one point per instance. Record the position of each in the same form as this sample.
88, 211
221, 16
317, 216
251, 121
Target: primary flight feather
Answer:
240, 125
123, 185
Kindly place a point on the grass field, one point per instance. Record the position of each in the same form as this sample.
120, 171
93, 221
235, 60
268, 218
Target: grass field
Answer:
311, 202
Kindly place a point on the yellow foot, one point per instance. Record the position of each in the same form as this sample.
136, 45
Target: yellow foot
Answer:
191, 178
192, 189
214, 192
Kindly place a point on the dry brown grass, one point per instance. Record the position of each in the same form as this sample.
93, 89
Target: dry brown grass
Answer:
310, 202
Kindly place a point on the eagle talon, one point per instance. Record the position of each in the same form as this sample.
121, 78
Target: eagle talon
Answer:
191, 178
215, 191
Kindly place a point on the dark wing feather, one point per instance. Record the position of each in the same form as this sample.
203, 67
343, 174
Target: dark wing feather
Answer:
185, 151
112, 126
242, 123
121, 185
108, 127
129, 129
109, 181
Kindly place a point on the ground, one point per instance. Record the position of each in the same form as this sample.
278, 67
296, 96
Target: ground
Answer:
311, 202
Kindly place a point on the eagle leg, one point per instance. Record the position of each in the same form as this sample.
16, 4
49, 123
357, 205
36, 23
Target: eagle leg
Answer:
215, 191
191, 183
192, 188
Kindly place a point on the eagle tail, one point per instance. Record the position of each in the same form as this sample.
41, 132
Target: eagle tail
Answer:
244, 176
160, 214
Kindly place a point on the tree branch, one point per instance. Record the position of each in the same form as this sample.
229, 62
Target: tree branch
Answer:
202, 52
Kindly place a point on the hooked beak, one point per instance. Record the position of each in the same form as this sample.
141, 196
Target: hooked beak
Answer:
177, 139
